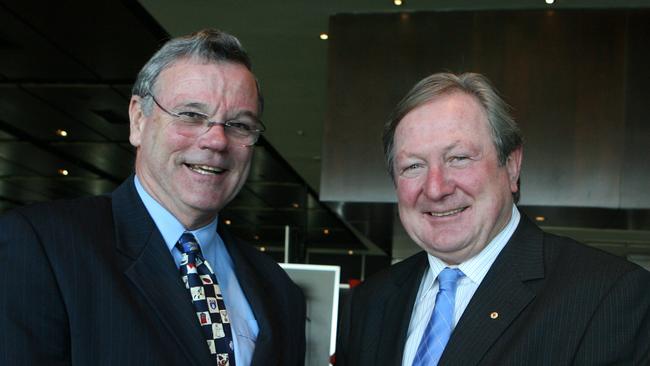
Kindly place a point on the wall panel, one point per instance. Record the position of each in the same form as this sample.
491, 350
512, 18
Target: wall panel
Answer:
575, 80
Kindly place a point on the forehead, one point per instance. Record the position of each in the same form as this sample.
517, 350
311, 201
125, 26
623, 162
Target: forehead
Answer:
454, 116
191, 78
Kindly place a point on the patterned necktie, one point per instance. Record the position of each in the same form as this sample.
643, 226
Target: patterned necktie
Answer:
441, 324
207, 299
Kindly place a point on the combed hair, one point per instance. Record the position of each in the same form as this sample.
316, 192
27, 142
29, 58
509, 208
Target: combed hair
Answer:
506, 135
207, 45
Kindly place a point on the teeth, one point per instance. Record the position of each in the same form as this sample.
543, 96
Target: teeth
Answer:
447, 213
204, 169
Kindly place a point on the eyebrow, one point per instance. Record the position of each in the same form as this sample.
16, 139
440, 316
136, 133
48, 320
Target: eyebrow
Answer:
451, 146
195, 105
445, 150
203, 107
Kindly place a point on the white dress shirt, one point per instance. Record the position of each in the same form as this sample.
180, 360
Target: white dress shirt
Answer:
242, 320
474, 269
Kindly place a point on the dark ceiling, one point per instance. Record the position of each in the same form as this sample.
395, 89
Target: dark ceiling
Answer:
69, 67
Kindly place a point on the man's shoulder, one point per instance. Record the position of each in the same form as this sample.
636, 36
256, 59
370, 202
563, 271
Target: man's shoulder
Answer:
71, 213
566, 254
562, 254
59, 227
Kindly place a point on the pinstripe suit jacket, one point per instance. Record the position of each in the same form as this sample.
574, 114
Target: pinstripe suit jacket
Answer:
91, 282
559, 303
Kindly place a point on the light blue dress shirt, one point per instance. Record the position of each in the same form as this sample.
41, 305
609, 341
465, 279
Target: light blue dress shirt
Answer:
475, 269
242, 319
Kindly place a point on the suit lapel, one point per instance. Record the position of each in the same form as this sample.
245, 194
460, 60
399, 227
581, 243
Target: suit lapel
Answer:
502, 292
397, 312
265, 351
151, 268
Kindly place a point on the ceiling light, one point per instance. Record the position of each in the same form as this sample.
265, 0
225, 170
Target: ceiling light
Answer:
540, 218
62, 133
262, 249
63, 172
227, 222
326, 231
350, 252
295, 205
549, 1
324, 36
397, 2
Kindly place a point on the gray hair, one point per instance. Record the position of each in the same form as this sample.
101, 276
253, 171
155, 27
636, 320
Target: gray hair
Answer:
505, 132
208, 45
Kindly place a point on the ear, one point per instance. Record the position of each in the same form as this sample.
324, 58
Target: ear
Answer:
137, 120
513, 167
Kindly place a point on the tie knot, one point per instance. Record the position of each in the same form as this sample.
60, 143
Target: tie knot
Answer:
188, 244
449, 277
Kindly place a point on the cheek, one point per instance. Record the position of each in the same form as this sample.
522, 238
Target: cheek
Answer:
474, 181
164, 144
408, 191
471, 185
173, 141
241, 156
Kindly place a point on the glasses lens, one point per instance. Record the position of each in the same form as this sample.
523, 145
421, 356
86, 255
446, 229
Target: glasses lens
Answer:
244, 131
239, 137
191, 124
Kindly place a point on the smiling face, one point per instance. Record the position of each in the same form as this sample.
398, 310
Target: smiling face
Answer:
193, 177
453, 196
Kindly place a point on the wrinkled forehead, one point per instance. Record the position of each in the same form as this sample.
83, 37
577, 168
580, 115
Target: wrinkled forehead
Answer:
452, 109
190, 74
186, 67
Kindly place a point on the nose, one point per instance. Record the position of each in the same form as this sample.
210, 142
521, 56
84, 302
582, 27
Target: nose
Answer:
438, 184
214, 139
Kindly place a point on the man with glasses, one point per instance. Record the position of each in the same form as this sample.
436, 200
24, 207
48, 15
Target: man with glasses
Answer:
147, 275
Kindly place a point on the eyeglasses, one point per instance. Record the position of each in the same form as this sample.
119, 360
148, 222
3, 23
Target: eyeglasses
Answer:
245, 130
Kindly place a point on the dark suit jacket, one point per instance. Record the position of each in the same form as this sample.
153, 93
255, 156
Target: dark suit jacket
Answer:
91, 282
558, 303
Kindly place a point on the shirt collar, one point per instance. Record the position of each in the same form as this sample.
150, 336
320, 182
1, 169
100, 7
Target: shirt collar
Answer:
170, 228
478, 266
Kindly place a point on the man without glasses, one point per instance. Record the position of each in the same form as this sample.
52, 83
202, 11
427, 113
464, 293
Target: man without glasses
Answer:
490, 288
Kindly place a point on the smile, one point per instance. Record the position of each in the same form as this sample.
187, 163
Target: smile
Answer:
205, 169
447, 213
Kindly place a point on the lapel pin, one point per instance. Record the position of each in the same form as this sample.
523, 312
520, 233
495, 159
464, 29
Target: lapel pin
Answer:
494, 315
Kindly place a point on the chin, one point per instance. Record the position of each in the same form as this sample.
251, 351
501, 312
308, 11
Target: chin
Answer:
445, 244
205, 202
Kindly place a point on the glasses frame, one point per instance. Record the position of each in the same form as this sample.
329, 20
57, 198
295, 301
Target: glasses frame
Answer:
257, 132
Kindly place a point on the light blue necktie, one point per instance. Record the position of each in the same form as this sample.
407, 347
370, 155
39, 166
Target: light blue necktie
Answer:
441, 324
